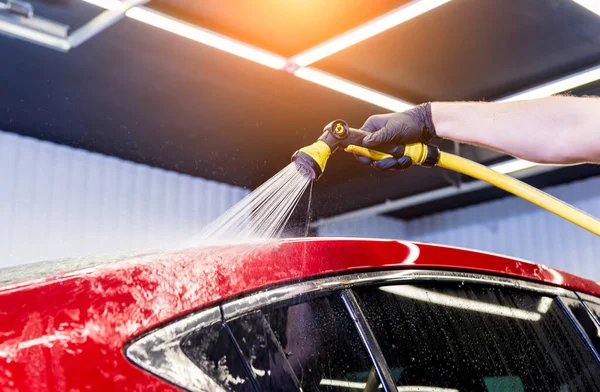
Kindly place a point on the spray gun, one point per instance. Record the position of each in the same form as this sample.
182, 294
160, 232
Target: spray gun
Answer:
338, 134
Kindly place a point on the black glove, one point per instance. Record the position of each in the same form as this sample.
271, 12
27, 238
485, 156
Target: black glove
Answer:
390, 132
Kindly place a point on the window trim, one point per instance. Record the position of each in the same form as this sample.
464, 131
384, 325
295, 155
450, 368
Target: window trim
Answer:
185, 374
588, 298
368, 339
567, 310
585, 298
163, 344
259, 300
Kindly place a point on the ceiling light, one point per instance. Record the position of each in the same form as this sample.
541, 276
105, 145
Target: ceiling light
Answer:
367, 30
423, 388
343, 384
196, 33
592, 5
460, 303
206, 37
354, 90
557, 86
13, 28
400, 388
545, 304
514, 165
106, 4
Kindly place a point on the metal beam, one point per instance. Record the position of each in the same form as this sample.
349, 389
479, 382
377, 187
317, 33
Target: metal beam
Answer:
422, 198
101, 22
36, 30
55, 35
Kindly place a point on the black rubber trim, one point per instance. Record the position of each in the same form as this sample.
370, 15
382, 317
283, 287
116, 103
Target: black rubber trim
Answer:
433, 156
306, 161
563, 303
366, 335
241, 355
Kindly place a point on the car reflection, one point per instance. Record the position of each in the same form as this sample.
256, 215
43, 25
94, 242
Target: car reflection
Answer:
419, 294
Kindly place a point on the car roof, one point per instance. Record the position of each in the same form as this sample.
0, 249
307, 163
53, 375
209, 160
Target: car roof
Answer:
300, 257
59, 267
119, 300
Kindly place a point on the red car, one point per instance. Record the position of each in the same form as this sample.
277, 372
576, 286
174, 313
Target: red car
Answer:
291, 315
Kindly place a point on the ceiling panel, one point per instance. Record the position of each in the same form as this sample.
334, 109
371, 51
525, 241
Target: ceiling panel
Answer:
473, 49
590, 89
169, 102
283, 27
74, 13
144, 95
149, 96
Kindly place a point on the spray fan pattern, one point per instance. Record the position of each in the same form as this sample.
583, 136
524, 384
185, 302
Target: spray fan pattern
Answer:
263, 213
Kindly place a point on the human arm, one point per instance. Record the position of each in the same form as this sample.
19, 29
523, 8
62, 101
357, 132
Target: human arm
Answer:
559, 130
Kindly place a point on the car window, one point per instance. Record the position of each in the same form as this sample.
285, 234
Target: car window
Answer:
594, 308
212, 350
585, 317
308, 346
474, 338
594, 330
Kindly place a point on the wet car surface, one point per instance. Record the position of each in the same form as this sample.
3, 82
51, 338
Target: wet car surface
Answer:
310, 314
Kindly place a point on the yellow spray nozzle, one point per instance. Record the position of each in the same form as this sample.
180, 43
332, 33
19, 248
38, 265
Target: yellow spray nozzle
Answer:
416, 151
313, 158
319, 151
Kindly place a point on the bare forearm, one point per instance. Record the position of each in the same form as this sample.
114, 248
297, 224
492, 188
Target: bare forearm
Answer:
560, 130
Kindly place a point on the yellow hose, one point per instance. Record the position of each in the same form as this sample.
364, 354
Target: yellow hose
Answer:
418, 151
520, 189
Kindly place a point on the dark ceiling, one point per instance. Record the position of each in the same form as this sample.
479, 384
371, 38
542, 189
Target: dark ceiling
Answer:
145, 95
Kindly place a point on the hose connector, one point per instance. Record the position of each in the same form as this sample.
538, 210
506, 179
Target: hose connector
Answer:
419, 153
426, 155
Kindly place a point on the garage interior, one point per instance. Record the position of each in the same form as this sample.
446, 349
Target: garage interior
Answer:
140, 134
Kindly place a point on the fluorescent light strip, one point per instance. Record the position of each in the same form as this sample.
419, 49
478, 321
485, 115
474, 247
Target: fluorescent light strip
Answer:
343, 384
206, 37
352, 89
460, 303
512, 166
545, 304
557, 86
592, 5
195, 33
106, 4
423, 388
15, 29
367, 30
401, 388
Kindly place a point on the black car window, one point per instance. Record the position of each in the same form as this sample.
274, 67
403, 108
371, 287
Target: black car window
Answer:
213, 351
308, 346
475, 338
594, 308
585, 316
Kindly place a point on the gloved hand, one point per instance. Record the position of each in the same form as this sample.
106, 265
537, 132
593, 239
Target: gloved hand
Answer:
390, 132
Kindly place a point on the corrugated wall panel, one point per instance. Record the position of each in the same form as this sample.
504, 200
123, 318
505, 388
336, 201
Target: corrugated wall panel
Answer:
374, 227
509, 226
517, 228
57, 201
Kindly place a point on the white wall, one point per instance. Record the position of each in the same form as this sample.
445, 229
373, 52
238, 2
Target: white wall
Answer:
57, 201
371, 227
508, 226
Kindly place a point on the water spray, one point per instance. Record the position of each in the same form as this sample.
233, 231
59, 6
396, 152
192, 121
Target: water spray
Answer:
313, 159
